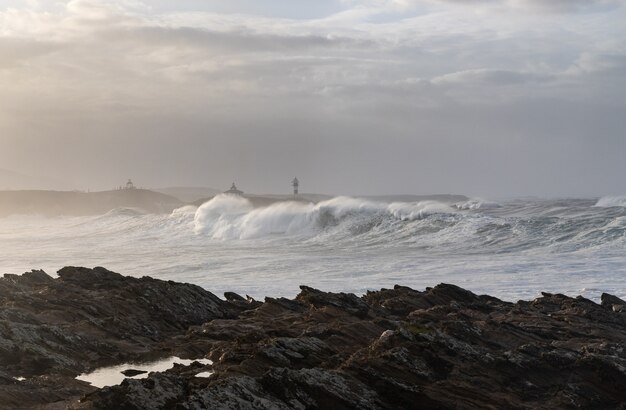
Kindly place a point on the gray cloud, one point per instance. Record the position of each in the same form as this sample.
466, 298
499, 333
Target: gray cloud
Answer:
572, 5
559, 6
432, 101
482, 77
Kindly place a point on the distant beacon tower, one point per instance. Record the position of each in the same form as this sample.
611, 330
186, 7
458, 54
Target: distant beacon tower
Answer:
295, 184
233, 190
130, 185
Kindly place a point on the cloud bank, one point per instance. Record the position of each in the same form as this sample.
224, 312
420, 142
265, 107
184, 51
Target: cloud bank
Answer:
479, 97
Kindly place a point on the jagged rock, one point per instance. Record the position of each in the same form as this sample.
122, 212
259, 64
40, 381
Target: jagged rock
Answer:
87, 318
160, 391
398, 348
403, 349
610, 301
233, 297
239, 393
133, 372
345, 301
319, 388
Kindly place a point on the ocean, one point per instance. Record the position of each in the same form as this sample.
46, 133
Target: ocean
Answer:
511, 249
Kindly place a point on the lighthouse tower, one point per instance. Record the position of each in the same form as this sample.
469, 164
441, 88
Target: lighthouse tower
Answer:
295, 183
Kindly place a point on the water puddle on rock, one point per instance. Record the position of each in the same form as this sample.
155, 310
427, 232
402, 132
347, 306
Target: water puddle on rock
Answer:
112, 375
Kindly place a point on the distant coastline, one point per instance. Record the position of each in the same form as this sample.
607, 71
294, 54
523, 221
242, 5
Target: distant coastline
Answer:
71, 203
77, 203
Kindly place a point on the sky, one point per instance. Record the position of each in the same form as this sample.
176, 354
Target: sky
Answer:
489, 98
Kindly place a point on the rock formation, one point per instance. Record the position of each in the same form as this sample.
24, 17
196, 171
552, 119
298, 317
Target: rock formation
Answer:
54, 329
396, 348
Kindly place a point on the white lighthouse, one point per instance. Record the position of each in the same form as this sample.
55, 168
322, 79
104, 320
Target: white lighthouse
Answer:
295, 184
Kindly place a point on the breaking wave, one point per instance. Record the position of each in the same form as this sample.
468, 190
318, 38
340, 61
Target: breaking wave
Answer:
611, 201
472, 227
477, 203
228, 217
129, 212
513, 248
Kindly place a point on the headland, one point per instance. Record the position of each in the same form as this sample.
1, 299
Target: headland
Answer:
78, 203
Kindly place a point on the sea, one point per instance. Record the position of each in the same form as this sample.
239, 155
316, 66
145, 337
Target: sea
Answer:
512, 249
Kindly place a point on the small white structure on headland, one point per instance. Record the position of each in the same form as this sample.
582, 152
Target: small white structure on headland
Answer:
295, 184
233, 190
129, 184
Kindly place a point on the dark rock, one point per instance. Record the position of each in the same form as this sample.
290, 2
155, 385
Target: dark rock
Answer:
288, 304
610, 300
441, 348
160, 391
344, 301
133, 372
36, 277
84, 319
233, 297
320, 389
239, 393
404, 349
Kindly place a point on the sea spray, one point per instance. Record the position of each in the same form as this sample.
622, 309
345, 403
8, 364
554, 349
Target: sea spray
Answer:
218, 217
477, 203
234, 217
347, 244
406, 211
611, 201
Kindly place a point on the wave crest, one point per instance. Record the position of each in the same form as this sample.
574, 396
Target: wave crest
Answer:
232, 217
611, 201
125, 211
477, 203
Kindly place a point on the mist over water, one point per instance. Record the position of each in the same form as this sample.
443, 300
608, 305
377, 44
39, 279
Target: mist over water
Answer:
512, 250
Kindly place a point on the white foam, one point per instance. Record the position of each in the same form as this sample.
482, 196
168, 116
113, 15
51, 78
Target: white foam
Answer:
232, 217
343, 244
409, 211
477, 203
217, 217
611, 201
184, 211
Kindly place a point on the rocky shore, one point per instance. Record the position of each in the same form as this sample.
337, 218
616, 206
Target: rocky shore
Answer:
441, 348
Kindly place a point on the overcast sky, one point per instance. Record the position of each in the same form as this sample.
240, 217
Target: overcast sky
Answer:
483, 97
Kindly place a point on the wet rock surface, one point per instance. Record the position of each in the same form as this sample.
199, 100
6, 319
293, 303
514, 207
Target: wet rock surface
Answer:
51, 330
399, 348
133, 372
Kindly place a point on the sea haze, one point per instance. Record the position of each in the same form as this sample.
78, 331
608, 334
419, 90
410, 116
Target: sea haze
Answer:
512, 249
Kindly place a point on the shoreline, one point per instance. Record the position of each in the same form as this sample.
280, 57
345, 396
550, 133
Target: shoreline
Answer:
51, 203
76, 203
391, 348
